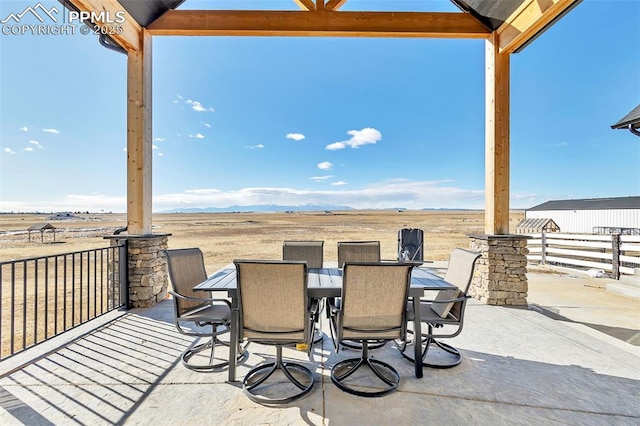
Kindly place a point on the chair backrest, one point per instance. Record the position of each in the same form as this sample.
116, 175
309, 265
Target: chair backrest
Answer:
459, 273
411, 240
309, 251
186, 270
358, 251
374, 298
272, 296
460, 270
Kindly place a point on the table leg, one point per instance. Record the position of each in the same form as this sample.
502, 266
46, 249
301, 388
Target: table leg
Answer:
417, 336
233, 342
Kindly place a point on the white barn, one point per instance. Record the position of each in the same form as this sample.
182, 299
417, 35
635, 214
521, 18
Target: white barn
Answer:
594, 215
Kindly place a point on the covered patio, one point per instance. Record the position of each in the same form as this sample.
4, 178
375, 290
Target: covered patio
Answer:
519, 367
506, 26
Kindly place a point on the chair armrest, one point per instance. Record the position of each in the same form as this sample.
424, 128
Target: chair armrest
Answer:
457, 299
314, 306
199, 299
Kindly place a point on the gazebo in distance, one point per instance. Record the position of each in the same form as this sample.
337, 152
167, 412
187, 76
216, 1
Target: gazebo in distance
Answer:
42, 227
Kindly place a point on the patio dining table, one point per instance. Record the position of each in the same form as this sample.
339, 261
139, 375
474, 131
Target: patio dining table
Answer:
322, 282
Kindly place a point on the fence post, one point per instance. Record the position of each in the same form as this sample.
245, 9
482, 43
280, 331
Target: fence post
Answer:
615, 250
123, 255
543, 245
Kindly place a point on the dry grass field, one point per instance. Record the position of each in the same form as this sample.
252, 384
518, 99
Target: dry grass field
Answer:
55, 301
225, 236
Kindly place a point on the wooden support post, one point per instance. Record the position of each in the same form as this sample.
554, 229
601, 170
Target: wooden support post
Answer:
139, 147
496, 139
615, 261
543, 244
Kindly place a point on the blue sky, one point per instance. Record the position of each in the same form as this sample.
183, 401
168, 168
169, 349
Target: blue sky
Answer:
367, 123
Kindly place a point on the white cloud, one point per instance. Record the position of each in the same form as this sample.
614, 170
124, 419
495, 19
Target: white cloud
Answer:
24, 128
160, 154
205, 124
54, 131
335, 146
197, 106
159, 139
393, 193
255, 146
179, 96
36, 143
295, 136
28, 148
338, 183
359, 138
154, 146
320, 178
9, 151
197, 136
325, 165
124, 149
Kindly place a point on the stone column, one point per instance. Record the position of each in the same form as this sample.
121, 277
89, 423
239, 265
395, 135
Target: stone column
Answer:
501, 272
148, 279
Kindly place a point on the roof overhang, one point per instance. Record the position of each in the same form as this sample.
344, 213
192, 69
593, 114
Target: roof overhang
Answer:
631, 121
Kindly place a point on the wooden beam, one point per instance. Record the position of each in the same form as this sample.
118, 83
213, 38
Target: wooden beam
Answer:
320, 5
334, 4
528, 20
496, 139
305, 4
130, 36
333, 24
139, 147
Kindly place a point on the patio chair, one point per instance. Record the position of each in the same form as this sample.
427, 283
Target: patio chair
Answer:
195, 315
272, 297
446, 309
410, 245
311, 252
357, 251
374, 296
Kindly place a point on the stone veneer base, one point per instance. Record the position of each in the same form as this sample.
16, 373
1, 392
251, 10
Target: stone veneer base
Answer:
500, 276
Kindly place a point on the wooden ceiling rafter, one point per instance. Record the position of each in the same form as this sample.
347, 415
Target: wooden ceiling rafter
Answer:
333, 5
306, 4
526, 22
317, 24
130, 38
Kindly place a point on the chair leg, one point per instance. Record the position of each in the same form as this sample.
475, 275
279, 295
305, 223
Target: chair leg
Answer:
427, 343
195, 349
376, 366
255, 378
350, 344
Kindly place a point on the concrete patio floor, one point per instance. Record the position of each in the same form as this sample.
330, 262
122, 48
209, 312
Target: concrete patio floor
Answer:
571, 358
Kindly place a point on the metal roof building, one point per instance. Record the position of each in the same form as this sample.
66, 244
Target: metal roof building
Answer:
591, 215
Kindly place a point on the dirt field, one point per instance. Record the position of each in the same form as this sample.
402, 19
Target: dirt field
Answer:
225, 236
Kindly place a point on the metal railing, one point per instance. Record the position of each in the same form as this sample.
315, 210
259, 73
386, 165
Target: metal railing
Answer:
42, 297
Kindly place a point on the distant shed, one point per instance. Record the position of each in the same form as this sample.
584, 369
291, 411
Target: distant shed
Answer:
536, 225
590, 215
42, 227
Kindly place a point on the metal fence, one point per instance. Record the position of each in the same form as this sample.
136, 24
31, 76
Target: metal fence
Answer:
42, 297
